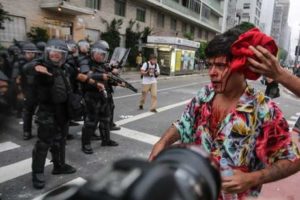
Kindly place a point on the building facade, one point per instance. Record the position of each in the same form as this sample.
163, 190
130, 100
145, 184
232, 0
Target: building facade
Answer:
280, 29
79, 19
249, 11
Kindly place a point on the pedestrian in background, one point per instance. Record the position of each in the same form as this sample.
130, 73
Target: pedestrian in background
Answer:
149, 72
139, 60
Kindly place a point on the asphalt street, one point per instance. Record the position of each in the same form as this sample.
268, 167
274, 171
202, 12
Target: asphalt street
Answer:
140, 130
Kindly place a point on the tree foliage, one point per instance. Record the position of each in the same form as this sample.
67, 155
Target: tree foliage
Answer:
134, 38
112, 34
38, 34
3, 16
201, 51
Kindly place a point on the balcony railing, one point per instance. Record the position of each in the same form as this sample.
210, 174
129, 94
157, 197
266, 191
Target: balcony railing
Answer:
215, 4
181, 8
71, 8
211, 23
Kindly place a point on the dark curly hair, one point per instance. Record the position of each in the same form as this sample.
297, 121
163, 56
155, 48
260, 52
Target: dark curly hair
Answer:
220, 45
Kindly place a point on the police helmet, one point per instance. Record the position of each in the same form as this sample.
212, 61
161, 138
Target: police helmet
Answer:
41, 45
84, 46
29, 47
71, 45
56, 52
13, 50
101, 47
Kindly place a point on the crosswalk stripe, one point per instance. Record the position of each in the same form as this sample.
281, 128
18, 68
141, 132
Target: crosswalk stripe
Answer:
294, 117
136, 135
17, 169
5, 146
298, 114
147, 114
76, 182
291, 122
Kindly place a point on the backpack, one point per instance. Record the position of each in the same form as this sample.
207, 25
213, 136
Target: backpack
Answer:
148, 68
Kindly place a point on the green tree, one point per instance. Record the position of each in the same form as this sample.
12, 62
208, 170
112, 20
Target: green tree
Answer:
112, 34
201, 51
132, 41
38, 34
188, 36
146, 32
282, 55
3, 16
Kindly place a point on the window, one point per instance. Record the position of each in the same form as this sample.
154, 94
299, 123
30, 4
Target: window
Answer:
199, 33
120, 6
193, 30
185, 3
184, 27
195, 6
160, 20
14, 29
140, 14
206, 35
206, 11
92, 34
94, 4
246, 6
173, 24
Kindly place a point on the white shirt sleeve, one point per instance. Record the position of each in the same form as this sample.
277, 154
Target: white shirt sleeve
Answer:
144, 67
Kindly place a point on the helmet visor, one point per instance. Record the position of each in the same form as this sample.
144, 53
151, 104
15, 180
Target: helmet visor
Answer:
55, 55
99, 55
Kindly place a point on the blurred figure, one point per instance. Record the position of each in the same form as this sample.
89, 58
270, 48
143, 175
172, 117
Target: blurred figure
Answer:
30, 51
139, 60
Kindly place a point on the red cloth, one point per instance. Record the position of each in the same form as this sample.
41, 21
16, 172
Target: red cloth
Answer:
240, 51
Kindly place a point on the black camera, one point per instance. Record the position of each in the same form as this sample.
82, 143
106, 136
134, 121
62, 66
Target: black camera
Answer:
178, 173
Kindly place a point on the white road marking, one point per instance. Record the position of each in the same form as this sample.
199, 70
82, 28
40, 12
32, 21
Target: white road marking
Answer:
137, 135
298, 114
147, 114
17, 169
170, 88
294, 117
5, 146
291, 122
76, 182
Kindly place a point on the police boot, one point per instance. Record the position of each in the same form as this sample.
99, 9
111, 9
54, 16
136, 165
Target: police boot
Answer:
114, 127
27, 135
106, 141
58, 159
39, 154
86, 140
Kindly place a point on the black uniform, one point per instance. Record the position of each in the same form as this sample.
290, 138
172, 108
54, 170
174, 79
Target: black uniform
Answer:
98, 109
52, 118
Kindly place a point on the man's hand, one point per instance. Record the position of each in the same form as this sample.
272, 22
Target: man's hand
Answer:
157, 148
239, 182
100, 86
268, 65
115, 71
43, 70
122, 84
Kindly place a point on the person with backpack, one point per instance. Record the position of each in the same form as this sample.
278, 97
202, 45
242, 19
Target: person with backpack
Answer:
149, 73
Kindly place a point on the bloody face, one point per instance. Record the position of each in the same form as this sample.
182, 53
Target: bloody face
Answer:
218, 70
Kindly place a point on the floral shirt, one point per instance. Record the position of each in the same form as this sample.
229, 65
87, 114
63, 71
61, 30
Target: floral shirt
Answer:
251, 136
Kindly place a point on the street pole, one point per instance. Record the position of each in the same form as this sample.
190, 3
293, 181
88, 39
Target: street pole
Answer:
297, 53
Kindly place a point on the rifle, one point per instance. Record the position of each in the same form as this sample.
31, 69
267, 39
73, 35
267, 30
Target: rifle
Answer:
116, 79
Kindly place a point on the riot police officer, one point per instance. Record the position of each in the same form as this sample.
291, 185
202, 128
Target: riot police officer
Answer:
97, 107
52, 116
52, 81
30, 51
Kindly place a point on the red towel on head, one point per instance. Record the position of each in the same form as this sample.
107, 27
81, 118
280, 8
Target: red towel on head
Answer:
240, 51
